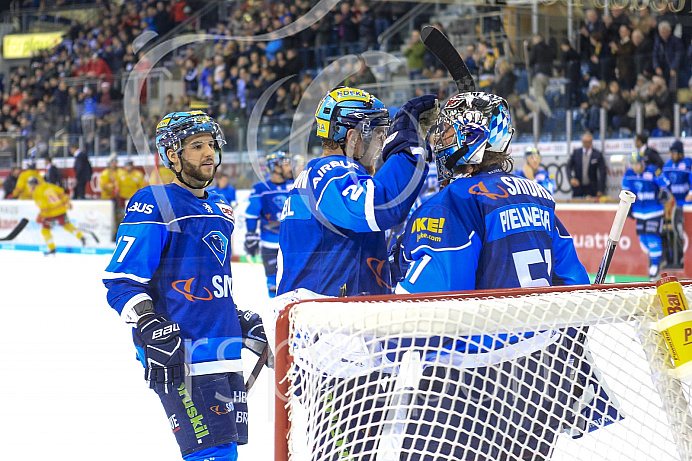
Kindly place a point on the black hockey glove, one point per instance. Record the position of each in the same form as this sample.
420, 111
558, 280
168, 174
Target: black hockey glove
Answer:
164, 351
252, 241
410, 126
254, 337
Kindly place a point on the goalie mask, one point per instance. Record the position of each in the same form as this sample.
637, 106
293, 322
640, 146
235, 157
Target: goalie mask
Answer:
469, 125
347, 108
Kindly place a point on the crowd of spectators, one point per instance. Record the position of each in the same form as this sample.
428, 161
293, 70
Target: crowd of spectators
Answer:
621, 58
75, 89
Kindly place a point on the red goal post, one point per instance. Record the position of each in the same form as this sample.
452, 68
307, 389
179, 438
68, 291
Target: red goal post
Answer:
320, 342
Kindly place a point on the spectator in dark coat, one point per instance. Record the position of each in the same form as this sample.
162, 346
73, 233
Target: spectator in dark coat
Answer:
592, 24
624, 51
82, 171
601, 60
615, 104
541, 61
587, 170
668, 54
571, 66
642, 53
348, 30
11, 181
53, 174
506, 80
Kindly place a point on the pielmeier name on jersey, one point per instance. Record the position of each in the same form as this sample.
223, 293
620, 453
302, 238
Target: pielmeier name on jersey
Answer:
496, 230
174, 249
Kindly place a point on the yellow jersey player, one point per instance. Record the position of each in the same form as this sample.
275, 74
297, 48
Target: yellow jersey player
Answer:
21, 191
53, 204
129, 181
108, 180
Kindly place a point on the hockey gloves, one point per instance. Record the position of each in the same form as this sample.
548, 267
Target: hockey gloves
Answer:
252, 241
164, 351
254, 337
410, 126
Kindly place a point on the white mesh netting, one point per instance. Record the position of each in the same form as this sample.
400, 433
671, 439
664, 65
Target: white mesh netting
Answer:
493, 378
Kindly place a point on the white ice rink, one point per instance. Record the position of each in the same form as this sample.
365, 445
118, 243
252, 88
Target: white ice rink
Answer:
70, 386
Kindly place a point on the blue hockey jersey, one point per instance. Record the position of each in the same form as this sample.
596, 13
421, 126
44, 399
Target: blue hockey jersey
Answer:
542, 177
678, 174
332, 238
647, 186
174, 249
266, 202
493, 230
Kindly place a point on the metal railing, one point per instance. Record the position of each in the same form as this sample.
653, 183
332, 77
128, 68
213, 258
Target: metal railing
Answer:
405, 21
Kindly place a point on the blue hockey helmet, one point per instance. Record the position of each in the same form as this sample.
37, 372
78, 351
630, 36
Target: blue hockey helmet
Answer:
276, 158
531, 150
345, 108
470, 124
176, 126
636, 157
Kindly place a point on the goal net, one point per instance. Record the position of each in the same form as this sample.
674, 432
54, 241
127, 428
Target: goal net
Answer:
560, 373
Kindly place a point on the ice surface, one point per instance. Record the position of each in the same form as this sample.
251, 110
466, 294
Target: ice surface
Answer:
70, 385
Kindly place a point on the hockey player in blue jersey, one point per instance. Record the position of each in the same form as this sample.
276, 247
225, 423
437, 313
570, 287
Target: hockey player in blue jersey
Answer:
332, 237
677, 170
489, 229
647, 210
532, 170
170, 279
266, 202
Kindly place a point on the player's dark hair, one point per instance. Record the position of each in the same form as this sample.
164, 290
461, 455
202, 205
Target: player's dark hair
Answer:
330, 144
501, 159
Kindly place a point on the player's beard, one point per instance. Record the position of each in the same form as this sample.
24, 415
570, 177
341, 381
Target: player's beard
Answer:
196, 173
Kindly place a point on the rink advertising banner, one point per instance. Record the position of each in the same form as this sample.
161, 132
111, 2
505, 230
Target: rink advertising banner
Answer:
87, 215
589, 226
16, 46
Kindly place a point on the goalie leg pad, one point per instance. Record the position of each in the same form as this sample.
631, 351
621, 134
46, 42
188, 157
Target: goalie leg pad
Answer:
207, 411
511, 410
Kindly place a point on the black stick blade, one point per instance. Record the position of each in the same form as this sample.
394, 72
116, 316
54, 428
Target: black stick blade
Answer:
442, 48
15, 232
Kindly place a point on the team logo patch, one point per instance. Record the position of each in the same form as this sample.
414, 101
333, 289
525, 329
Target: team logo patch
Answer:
184, 287
218, 244
480, 189
226, 210
222, 409
377, 266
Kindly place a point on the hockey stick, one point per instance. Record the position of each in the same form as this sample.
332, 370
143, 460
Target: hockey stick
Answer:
15, 232
442, 48
258, 368
627, 198
583, 360
394, 426
93, 234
